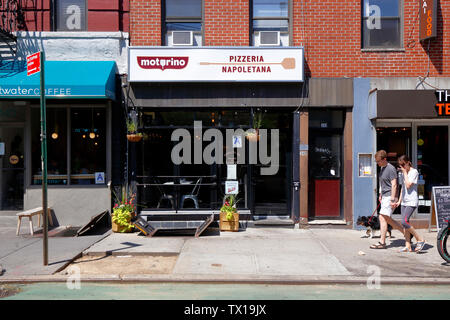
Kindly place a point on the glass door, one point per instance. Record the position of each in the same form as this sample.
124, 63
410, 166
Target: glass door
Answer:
272, 193
11, 167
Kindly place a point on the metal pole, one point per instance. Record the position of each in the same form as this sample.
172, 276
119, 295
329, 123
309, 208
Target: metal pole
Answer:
44, 159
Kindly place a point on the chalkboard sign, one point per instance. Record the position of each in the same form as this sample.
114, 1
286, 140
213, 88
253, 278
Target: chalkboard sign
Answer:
441, 197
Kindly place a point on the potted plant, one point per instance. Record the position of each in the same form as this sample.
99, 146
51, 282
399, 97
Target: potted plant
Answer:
124, 210
132, 134
229, 215
253, 134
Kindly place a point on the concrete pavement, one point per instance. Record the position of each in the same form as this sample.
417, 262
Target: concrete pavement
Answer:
22, 256
255, 255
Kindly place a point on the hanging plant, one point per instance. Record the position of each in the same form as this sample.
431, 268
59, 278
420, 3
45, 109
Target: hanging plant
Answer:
132, 130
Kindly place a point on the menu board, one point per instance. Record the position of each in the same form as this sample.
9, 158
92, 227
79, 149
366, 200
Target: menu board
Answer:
441, 202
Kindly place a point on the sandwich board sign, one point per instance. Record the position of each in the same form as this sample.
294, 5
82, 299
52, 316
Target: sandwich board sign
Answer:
441, 207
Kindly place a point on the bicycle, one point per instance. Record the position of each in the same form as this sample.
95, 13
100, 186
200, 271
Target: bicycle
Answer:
442, 242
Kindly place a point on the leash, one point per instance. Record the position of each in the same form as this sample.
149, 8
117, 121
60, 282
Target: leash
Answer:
370, 219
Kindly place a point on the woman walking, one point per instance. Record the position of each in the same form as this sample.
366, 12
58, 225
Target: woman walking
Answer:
409, 201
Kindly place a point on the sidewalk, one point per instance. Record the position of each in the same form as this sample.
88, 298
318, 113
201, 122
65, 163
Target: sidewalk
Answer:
22, 256
256, 255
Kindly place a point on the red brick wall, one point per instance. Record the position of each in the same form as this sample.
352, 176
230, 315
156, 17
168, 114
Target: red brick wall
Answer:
103, 15
330, 30
145, 22
332, 40
226, 23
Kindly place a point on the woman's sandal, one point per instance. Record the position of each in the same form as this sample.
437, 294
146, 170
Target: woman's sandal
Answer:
419, 246
405, 249
379, 245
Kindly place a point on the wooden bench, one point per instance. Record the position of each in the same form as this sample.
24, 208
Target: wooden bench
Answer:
29, 214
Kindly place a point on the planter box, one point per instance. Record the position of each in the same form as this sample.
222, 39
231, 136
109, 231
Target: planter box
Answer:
254, 137
116, 228
134, 137
229, 225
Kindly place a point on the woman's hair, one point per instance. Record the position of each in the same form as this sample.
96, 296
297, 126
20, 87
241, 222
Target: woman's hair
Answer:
406, 159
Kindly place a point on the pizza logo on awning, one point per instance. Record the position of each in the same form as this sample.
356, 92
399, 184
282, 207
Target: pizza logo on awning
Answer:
162, 63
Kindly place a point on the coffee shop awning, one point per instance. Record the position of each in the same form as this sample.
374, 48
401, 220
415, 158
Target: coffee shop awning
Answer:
63, 79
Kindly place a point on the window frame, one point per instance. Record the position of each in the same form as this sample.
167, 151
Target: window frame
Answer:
170, 19
57, 17
288, 18
400, 18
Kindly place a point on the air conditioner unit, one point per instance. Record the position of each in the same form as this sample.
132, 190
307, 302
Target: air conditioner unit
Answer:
182, 38
269, 38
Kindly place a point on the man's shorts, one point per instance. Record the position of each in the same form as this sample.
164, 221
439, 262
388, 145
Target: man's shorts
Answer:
386, 208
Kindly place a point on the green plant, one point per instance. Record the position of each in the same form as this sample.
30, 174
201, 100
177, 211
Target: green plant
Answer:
229, 206
124, 209
132, 127
257, 119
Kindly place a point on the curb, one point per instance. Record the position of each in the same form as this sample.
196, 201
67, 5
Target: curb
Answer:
231, 279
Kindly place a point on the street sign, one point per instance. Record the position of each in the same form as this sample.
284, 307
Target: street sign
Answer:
33, 63
427, 19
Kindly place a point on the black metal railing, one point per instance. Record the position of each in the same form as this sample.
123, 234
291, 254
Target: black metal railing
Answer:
12, 18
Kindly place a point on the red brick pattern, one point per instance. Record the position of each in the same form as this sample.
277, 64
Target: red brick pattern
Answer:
145, 22
103, 15
226, 23
330, 30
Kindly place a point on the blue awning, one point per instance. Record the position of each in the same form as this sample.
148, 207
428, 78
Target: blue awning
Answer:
63, 79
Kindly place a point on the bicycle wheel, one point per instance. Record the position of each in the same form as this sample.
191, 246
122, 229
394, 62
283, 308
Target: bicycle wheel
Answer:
442, 244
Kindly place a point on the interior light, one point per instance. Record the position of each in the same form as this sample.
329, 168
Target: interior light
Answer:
84, 136
92, 135
54, 136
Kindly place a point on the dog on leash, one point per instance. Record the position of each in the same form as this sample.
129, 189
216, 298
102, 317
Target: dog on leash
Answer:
372, 226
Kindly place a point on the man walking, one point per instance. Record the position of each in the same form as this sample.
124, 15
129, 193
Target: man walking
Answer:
388, 192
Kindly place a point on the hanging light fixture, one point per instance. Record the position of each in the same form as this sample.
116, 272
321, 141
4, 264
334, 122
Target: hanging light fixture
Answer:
55, 133
92, 133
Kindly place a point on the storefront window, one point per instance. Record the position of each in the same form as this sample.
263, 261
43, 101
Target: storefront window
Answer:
88, 145
87, 141
56, 146
432, 162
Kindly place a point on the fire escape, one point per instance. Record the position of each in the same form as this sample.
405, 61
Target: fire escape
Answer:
12, 18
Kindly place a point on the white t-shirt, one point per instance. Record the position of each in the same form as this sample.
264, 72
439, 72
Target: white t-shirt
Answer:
410, 197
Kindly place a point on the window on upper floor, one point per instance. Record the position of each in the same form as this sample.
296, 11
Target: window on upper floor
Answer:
381, 24
71, 15
270, 23
182, 22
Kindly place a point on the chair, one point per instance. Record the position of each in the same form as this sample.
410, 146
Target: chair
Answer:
165, 196
193, 195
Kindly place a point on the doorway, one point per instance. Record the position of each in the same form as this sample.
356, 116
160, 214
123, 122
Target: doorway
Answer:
272, 193
11, 167
325, 163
